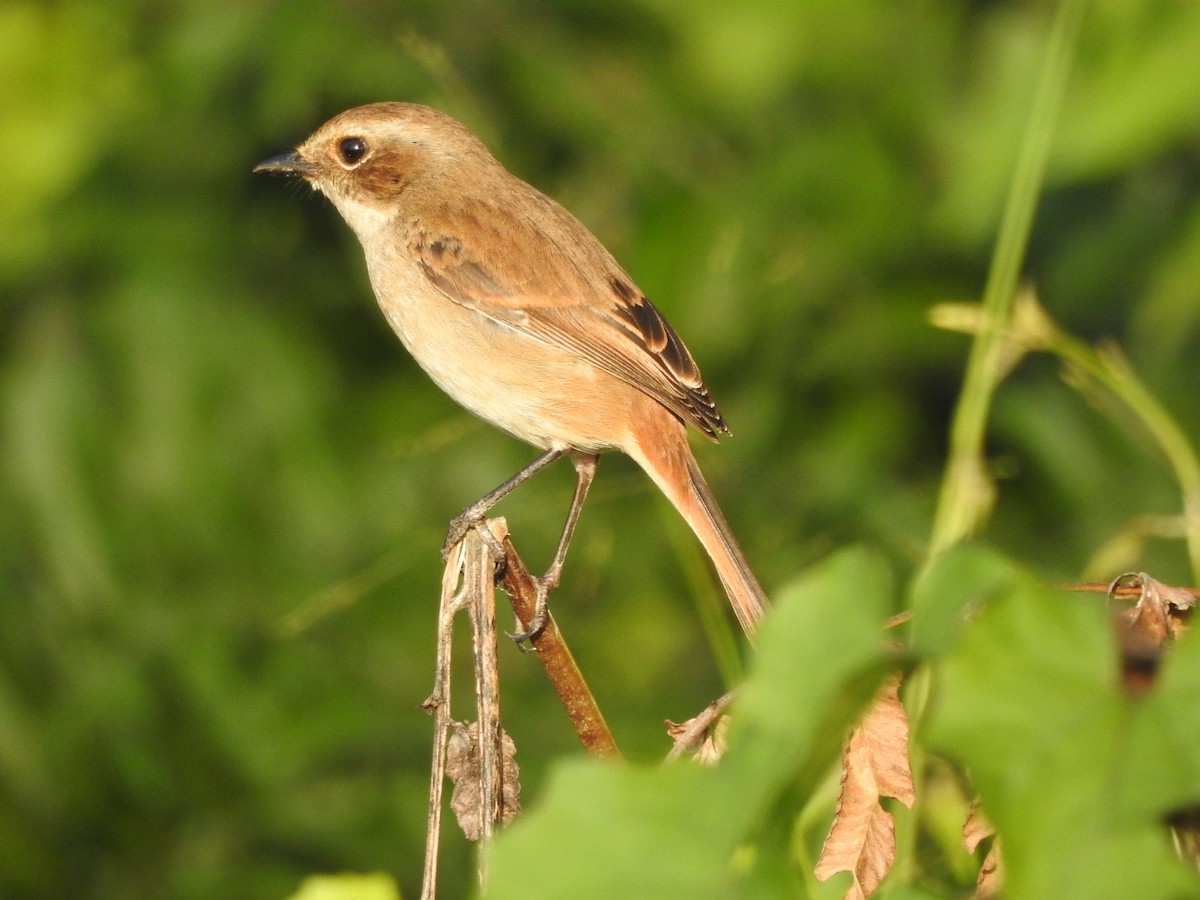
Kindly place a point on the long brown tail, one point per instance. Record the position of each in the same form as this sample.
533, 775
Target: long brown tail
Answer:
666, 457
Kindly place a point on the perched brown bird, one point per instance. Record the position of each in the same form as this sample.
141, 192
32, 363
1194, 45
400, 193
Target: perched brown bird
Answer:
518, 312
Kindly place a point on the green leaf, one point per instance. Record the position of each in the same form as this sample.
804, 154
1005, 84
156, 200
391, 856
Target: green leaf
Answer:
1160, 771
1030, 703
616, 830
960, 582
820, 659
348, 886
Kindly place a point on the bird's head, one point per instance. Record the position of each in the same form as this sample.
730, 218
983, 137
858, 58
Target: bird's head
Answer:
366, 158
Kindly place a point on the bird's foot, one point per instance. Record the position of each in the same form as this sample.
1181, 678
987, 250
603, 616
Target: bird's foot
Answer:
541, 608
459, 526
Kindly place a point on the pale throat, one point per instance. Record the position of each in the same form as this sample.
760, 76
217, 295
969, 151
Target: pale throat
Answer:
364, 217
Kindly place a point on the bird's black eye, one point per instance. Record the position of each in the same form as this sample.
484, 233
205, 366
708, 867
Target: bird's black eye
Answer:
352, 149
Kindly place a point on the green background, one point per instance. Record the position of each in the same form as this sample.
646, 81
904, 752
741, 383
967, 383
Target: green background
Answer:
223, 484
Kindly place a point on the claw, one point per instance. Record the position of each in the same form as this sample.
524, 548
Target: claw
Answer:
474, 517
459, 526
541, 615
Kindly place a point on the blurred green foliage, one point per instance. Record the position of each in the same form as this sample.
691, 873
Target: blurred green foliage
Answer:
224, 485
1078, 776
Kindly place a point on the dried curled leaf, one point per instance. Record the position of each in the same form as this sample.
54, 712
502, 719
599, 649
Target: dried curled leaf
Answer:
705, 741
991, 874
862, 839
703, 736
1159, 616
463, 769
977, 828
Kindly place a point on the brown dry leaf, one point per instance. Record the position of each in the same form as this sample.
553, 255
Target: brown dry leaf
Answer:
1160, 616
462, 768
703, 736
862, 838
991, 874
977, 828
706, 746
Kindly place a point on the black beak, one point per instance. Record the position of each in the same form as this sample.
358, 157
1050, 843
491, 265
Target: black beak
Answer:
286, 164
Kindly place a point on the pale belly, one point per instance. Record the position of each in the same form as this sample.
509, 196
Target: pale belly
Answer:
542, 394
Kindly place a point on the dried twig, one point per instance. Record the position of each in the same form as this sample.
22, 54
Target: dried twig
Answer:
483, 768
479, 573
479, 772
1123, 588
438, 703
555, 657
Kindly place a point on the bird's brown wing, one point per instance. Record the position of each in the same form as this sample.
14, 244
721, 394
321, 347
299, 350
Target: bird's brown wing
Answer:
544, 274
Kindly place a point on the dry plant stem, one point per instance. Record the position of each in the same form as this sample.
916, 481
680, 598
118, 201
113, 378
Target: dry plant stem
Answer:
1116, 591
475, 559
479, 569
555, 657
691, 739
438, 703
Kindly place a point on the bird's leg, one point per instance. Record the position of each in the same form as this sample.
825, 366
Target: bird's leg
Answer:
461, 523
585, 471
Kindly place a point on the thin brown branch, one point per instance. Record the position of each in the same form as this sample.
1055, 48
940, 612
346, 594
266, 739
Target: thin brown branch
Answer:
1129, 591
555, 657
